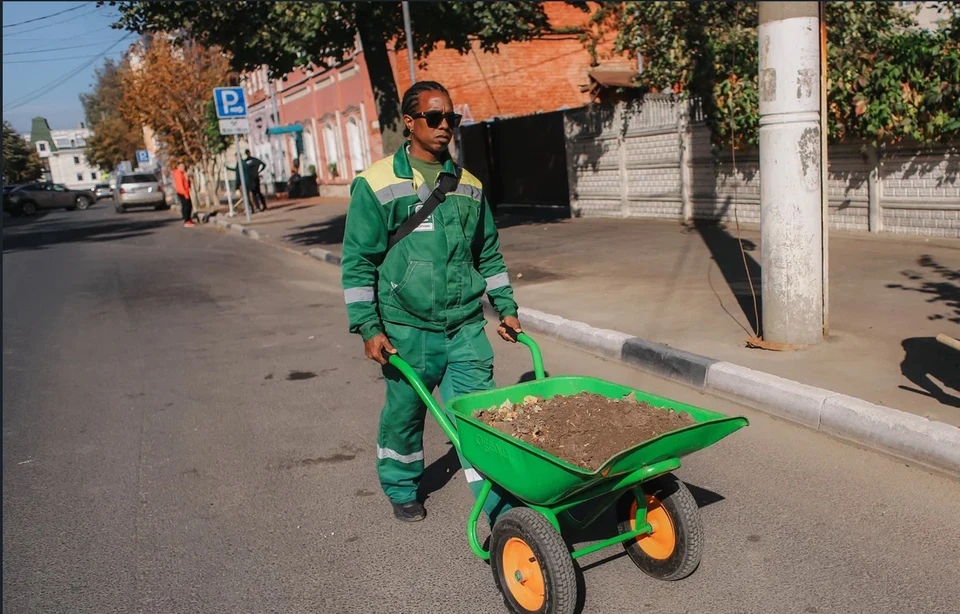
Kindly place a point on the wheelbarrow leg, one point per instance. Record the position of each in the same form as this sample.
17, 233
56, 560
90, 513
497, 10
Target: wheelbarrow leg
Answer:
485, 489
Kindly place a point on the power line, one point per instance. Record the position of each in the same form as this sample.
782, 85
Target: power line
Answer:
49, 87
47, 25
14, 25
53, 49
72, 57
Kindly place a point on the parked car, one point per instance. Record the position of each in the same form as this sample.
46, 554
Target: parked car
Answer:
139, 190
102, 190
30, 198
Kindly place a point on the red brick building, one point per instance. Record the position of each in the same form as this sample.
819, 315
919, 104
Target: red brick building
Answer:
543, 75
328, 118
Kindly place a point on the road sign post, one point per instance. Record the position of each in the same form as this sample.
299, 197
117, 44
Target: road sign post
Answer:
231, 106
226, 185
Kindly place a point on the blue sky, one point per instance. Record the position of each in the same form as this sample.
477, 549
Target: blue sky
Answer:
48, 63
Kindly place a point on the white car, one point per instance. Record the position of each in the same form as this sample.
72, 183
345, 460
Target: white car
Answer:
139, 190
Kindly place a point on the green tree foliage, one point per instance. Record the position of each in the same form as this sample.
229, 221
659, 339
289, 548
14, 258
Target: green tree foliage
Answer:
216, 141
20, 162
115, 138
285, 35
887, 80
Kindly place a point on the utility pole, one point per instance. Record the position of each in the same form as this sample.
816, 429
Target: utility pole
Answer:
409, 32
791, 159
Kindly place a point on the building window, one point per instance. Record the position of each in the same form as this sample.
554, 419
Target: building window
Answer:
42, 146
93, 176
355, 142
330, 148
79, 176
76, 160
73, 143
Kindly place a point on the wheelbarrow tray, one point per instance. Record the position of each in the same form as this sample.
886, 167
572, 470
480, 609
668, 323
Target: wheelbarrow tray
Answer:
539, 478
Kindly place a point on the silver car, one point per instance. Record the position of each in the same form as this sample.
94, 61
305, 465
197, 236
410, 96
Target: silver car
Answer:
30, 198
139, 190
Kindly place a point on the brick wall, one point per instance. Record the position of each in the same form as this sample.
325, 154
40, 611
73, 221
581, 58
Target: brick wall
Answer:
640, 145
624, 164
921, 192
520, 79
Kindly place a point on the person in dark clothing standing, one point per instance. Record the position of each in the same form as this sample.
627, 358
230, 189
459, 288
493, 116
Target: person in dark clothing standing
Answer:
253, 167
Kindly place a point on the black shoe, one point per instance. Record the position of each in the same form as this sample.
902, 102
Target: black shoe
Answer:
409, 512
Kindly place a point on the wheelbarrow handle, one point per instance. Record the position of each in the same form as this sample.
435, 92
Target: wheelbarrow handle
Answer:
535, 353
425, 395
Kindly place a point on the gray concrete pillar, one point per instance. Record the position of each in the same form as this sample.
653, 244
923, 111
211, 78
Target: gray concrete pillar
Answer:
790, 173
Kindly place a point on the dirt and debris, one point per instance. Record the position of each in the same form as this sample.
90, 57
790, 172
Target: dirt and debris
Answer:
584, 429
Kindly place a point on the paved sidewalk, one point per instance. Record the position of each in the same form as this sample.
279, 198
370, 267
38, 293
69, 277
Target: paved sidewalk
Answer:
687, 288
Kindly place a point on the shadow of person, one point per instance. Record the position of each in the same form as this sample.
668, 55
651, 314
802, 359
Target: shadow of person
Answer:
927, 361
439, 473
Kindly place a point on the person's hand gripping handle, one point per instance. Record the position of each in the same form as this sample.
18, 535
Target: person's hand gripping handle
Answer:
379, 349
509, 329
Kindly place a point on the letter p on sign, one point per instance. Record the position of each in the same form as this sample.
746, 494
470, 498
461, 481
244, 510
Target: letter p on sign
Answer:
230, 102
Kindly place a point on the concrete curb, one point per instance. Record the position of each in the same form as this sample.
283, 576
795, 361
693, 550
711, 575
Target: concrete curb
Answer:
933, 444
238, 228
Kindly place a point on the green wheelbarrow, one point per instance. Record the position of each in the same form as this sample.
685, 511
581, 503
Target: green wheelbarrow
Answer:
658, 519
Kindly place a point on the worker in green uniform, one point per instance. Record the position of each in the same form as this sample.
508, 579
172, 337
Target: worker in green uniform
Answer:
421, 296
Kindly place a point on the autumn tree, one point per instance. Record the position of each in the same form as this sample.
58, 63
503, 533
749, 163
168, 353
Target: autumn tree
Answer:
169, 89
115, 138
285, 35
20, 162
887, 80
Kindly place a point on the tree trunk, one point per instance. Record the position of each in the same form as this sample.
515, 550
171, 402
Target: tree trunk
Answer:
384, 87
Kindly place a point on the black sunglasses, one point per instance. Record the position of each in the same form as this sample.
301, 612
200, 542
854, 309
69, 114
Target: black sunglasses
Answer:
433, 118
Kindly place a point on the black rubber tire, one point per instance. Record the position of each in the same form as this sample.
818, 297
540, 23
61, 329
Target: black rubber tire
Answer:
83, 203
120, 209
28, 207
162, 207
684, 513
551, 552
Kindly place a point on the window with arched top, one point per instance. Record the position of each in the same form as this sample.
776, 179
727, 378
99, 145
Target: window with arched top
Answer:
356, 144
330, 151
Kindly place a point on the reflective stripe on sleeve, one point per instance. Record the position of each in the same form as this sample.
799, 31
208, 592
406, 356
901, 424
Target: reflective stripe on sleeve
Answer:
359, 295
497, 281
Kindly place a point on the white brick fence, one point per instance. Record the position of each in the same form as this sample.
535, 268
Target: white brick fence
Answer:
655, 160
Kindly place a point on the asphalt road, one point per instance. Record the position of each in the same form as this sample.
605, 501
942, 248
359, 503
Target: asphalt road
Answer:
188, 428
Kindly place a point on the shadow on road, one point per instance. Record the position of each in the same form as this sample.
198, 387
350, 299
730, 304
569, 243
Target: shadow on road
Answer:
941, 289
439, 473
934, 367
726, 252
30, 238
329, 233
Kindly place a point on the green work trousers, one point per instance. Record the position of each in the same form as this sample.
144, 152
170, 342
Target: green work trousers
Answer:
459, 363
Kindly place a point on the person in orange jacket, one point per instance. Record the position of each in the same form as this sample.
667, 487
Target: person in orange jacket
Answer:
181, 183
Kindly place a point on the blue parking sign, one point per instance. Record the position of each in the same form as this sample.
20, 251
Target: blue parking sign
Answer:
143, 156
230, 102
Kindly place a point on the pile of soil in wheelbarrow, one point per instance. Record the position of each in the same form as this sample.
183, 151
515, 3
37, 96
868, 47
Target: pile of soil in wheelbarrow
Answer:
584, 429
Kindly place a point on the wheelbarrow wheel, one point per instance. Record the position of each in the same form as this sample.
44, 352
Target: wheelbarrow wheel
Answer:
531, 564
673, 549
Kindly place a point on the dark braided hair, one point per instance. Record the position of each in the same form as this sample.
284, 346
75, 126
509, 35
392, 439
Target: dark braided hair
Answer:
411, 98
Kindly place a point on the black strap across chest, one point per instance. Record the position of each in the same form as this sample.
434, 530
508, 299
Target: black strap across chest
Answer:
447, 183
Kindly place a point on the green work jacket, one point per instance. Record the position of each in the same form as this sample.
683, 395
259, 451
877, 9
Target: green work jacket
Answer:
433, 278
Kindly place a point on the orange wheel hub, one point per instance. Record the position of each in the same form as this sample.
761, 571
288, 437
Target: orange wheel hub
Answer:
662, 541
522, 573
